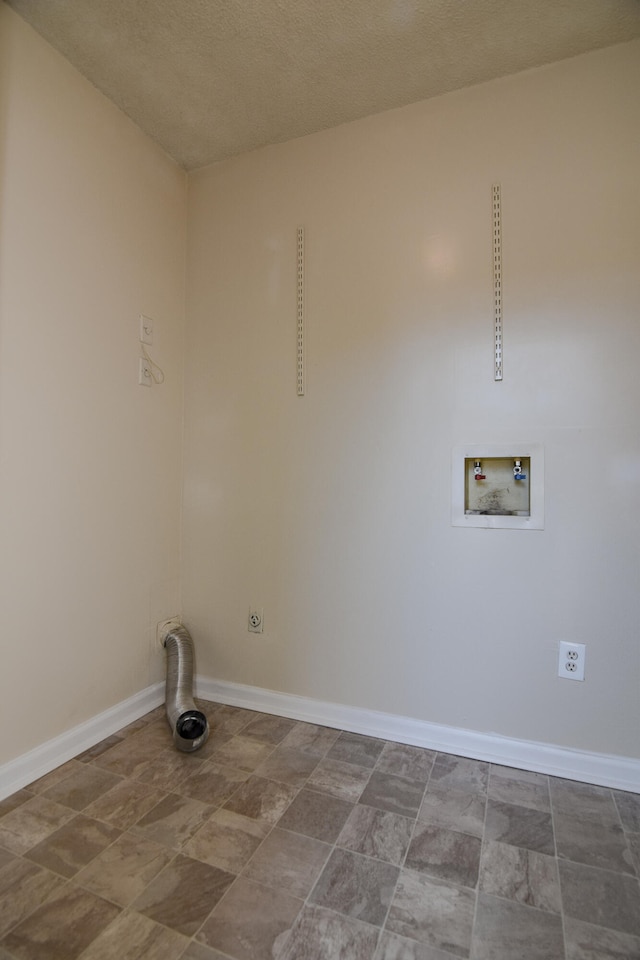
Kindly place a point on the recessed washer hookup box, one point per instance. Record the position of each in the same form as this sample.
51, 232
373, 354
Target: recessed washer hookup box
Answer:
498, 485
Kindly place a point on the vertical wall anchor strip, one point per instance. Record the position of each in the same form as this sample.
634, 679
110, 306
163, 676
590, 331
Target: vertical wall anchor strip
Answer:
497, 280
300, 312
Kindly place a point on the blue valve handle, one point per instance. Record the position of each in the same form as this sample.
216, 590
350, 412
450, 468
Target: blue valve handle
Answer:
520, 476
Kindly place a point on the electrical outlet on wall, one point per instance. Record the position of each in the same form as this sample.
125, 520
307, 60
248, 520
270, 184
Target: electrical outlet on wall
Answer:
571, 660
255, 622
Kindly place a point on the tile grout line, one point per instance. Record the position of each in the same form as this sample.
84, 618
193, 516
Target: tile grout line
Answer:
332, 847
482, 847
192, 938
71, 882
557, 866
267, 835
335, 846
401, 865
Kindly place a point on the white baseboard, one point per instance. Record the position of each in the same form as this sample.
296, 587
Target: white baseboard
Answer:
49, 755
622, 773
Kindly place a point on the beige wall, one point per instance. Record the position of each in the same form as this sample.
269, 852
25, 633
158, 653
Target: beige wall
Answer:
333, 511
92, 234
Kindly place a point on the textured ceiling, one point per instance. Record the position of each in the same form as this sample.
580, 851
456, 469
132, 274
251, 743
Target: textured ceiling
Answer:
208, 79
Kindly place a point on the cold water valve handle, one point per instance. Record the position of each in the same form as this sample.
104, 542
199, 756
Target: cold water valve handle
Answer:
477, 471
517, 471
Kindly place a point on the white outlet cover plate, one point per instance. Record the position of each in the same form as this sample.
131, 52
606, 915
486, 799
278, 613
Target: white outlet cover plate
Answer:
571, 657
146, 329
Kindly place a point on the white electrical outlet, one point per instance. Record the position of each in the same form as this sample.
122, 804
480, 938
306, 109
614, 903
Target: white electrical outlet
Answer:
571, 659
255, 622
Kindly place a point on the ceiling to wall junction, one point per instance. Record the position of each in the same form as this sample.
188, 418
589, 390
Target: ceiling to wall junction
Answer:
209, 79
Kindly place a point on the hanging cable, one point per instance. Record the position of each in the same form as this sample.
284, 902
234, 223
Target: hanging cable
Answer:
159, 378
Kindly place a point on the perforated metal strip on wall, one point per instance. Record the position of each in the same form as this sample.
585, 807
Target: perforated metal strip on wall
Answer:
300, 312
497, 280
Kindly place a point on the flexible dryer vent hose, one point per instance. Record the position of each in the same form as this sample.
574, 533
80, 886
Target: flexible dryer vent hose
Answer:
189, 725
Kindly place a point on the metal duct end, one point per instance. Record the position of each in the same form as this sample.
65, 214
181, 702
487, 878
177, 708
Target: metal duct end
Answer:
189, 725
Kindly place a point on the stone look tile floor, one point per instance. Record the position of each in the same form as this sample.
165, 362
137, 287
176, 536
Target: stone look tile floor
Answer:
282, 840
